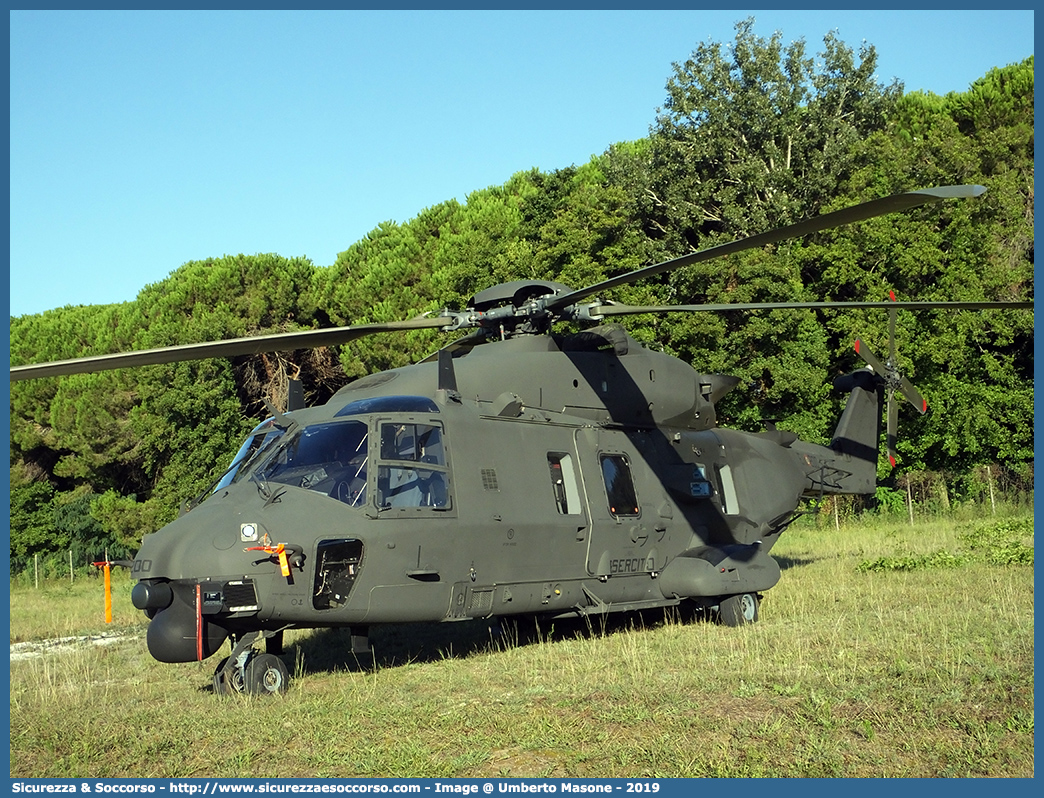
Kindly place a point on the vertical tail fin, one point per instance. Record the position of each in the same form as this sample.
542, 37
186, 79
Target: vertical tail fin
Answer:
859, 430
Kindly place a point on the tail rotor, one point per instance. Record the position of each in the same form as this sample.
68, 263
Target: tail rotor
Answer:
893, 379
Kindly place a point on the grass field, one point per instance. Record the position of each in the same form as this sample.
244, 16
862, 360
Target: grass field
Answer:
885, 650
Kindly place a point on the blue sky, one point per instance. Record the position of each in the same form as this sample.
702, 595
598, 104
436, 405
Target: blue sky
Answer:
143, 140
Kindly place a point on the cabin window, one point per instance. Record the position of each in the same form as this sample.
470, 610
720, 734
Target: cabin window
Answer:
619, 486
729, 502
563, 483
412, 472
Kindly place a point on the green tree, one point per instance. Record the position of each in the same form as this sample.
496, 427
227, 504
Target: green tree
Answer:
755, 135
31, 528
974, 367
388, 276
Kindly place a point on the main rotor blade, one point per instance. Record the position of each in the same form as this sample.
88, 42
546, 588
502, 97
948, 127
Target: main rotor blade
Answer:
854, 213
472, 339
632, 310
278, 342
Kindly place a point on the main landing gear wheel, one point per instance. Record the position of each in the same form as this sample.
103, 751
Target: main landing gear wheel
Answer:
738, 610
266, 674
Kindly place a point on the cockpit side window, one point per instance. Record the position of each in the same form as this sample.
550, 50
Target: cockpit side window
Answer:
420, 443
263, 434
412, 471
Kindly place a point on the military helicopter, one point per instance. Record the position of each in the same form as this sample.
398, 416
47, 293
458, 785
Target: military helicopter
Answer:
517, 472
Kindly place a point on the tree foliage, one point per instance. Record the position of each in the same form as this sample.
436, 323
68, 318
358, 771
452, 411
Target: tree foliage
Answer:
752, 135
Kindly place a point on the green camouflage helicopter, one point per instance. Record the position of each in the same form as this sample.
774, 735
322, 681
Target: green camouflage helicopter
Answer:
518, 472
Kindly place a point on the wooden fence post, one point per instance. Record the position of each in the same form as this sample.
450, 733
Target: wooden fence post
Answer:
909, 499
989, 481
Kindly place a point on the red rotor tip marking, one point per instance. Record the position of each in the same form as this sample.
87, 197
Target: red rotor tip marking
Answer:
891, 460
924, 407
891, 295
857, 345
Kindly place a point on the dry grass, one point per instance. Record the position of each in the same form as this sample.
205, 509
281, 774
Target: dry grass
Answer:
848, 673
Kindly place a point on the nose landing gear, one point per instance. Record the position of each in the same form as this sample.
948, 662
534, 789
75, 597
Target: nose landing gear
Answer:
249, 671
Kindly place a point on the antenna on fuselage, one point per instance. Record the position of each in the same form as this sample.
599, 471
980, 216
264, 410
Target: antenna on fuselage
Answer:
447, 376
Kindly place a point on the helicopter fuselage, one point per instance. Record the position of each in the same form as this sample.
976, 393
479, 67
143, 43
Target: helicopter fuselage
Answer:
405, 500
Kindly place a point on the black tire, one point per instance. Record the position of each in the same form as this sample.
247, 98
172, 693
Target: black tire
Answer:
230, 683
266, 674
738, 610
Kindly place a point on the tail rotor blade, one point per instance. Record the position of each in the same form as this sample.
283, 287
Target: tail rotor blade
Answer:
891, 330
893, 422
913, 396
871, 359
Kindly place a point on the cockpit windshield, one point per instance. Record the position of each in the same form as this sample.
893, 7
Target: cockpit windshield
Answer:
410, 467
329, 458
259, 440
